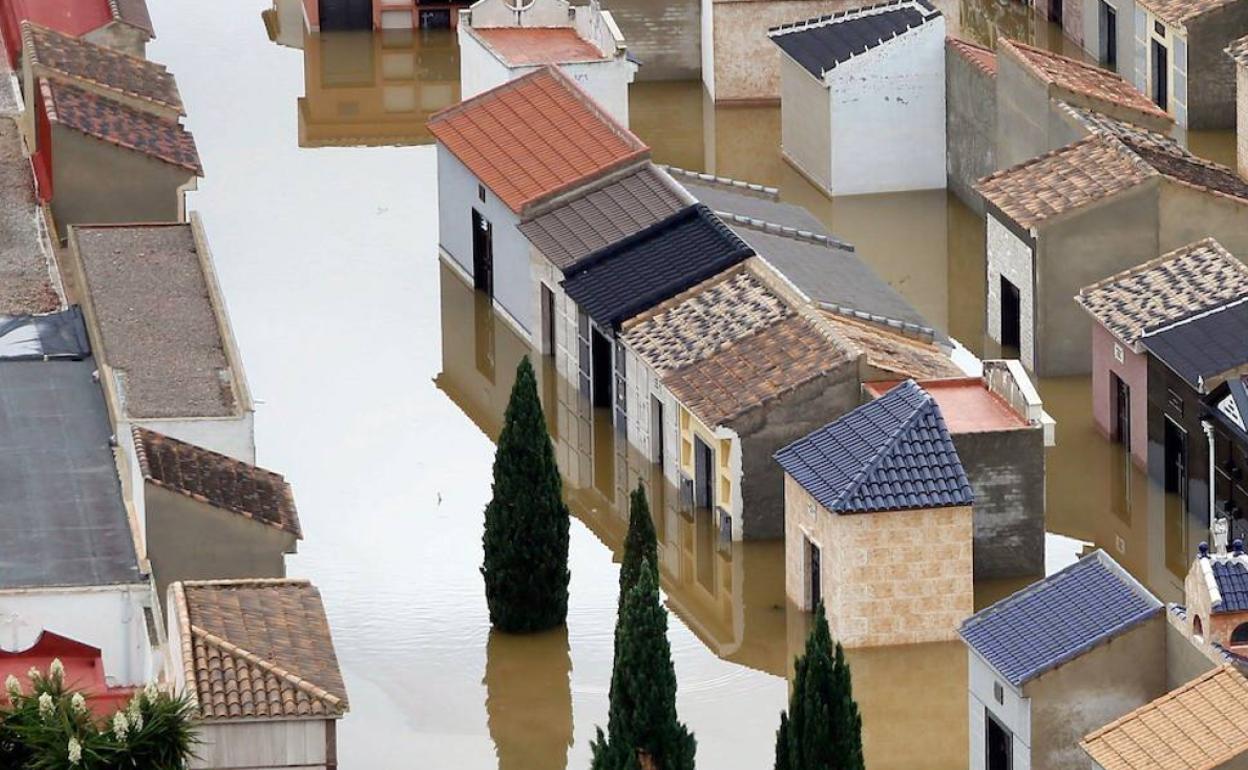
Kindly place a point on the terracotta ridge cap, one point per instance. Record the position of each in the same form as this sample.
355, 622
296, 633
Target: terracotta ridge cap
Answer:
307, 687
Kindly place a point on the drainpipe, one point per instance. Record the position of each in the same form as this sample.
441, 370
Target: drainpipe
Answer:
1219, 547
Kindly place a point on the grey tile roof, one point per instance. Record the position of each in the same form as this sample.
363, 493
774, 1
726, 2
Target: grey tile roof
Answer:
572, 231
658, 262
1059, 618
725, 196
890, 454
62, 520
1231, 574
1211, 343
820, 44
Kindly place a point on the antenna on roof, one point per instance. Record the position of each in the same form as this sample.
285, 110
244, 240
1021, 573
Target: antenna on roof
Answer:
519, 7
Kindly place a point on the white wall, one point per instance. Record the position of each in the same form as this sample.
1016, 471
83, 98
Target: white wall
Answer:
479, 69
110, 618
261, 744
708, 46
233, 436
1011, 257
1014, 713
643, 385
514, 291
888, 115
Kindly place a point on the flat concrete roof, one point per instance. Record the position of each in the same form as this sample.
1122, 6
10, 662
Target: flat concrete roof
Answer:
149, 298
62, 520
966, 404
538, 45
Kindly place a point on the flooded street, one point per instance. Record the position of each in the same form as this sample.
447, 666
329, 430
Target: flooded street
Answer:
380, 382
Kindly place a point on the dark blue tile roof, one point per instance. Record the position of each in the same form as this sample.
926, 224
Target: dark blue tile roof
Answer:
1209, 344
1232, 578
820, 44
891, 454
1058, 618
630, 276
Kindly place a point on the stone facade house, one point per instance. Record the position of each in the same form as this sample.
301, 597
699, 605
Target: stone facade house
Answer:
1088, 634
498, 44
206, 516
280, 706
157, 321
860, 118
489, 184
124, 25
1130, 304
998, 426
1201, 724
884, 478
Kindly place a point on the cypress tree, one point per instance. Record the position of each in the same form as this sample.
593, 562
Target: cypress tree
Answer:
641, 543
822, 728
526, 522
642, 721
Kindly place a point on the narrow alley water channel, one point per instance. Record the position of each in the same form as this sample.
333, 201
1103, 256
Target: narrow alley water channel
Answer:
381, 380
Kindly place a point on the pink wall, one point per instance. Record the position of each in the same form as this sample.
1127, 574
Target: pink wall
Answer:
1134, 372
312, 9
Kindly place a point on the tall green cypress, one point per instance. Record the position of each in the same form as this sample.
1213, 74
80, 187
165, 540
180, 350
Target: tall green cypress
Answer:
641, 543
642, 719
526, 522
822, 728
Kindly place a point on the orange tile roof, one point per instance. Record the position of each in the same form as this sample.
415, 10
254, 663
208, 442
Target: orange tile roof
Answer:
535, 137
983, 58
1198, 726
1178, 12
538, 45
1080, 78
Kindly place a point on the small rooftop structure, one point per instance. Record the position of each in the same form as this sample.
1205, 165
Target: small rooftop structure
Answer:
218, 480
603, 215
658, 262
1206, 347
84, 670
1188, 280
965, 403
535, 137
1059, 618
273, 639
823, 43
1198, 726
890, 454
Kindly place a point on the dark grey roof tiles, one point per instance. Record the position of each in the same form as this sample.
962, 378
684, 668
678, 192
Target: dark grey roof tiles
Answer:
574, 230
893, 453
1059, 618
820, 44
1211, 343
658, 262
1231, 575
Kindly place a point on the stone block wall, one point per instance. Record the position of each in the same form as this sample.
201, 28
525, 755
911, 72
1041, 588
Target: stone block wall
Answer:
896, 577
1010, 257
1006, 471
663, 35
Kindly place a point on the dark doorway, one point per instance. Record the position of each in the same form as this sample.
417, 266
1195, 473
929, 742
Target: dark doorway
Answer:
1000, 747
600, 355
1011, 315
1109, 36
1122, 410
1161, 72
1055, 11
548, 320
656, 430
482, 254
1176, 460
815, 574
703, 474
345, 14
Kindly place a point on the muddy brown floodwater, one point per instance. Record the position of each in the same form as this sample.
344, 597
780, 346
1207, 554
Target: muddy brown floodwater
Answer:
381, 381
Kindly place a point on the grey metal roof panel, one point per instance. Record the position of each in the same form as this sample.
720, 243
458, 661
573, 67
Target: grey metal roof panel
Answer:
618, 282
1059, 618
893, 453
820, 44
62, 520
765, 208
1211, 343
574, 230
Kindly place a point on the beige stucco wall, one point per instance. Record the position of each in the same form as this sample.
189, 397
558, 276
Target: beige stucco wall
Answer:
895, 577
1241, 119
1189, 214
805, 122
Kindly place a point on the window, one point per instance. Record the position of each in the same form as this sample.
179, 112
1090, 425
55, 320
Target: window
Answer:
1198, 629
1240, 635
998, 692
481, 193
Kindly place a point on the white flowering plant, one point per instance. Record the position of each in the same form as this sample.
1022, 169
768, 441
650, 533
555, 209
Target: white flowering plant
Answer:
47, 725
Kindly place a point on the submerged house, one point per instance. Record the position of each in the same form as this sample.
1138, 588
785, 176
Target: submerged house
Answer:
257, 659
166, 353
1226, 408
1215, 613
970, 117
124, 25
489, 184
1128, 305
499, 42
1089, 634
884, 478
863, 98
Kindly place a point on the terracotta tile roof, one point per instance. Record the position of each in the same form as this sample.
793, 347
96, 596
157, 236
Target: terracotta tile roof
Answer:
1077, 77
1177, 12
696, 324
258, 649
1196, 277
118, 124
134, 13
985, 59
894, 351
535, 137
217, 480
1238, 51
525, 46
1065, 179
1199, 726
756, 369
100, 66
